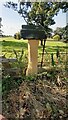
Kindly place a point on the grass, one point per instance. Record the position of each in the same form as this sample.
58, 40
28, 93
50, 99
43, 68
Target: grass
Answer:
52, 46
11, 84
7, 44
11, 43
55, 43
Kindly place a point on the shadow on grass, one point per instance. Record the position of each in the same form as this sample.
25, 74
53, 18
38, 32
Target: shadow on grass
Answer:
14, 44
54, 48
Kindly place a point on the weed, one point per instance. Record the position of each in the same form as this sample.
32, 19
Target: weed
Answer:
21, 60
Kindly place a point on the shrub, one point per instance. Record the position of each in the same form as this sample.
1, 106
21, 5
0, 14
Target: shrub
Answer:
17, 36
56, 37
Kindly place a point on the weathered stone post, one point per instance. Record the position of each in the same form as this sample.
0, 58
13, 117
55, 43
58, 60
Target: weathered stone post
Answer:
33, 33
32, 57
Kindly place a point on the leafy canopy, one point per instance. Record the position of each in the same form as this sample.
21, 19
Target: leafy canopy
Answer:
63, 32
41, 13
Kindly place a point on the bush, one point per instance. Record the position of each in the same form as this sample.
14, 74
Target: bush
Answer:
17, 36
56, 37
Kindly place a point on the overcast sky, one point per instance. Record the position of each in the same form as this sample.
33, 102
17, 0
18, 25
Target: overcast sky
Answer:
12, 21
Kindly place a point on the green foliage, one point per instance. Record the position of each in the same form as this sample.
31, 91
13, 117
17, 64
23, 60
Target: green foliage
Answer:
57, 53
31, 77
21, 60
59, 31
17, 36
52, 59
62, 32
9, 43
9, 83
39, 12
56, 37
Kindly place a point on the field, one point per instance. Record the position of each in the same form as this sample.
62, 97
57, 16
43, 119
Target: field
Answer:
35, 97
7, 45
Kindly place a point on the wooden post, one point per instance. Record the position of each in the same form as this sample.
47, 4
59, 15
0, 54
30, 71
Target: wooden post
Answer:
32, 57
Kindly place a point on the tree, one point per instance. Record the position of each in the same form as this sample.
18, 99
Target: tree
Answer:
0, 27
65, 33
62, 32
58, 31
39, 12
17, 36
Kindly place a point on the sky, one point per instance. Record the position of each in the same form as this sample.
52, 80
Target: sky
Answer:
12, 21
